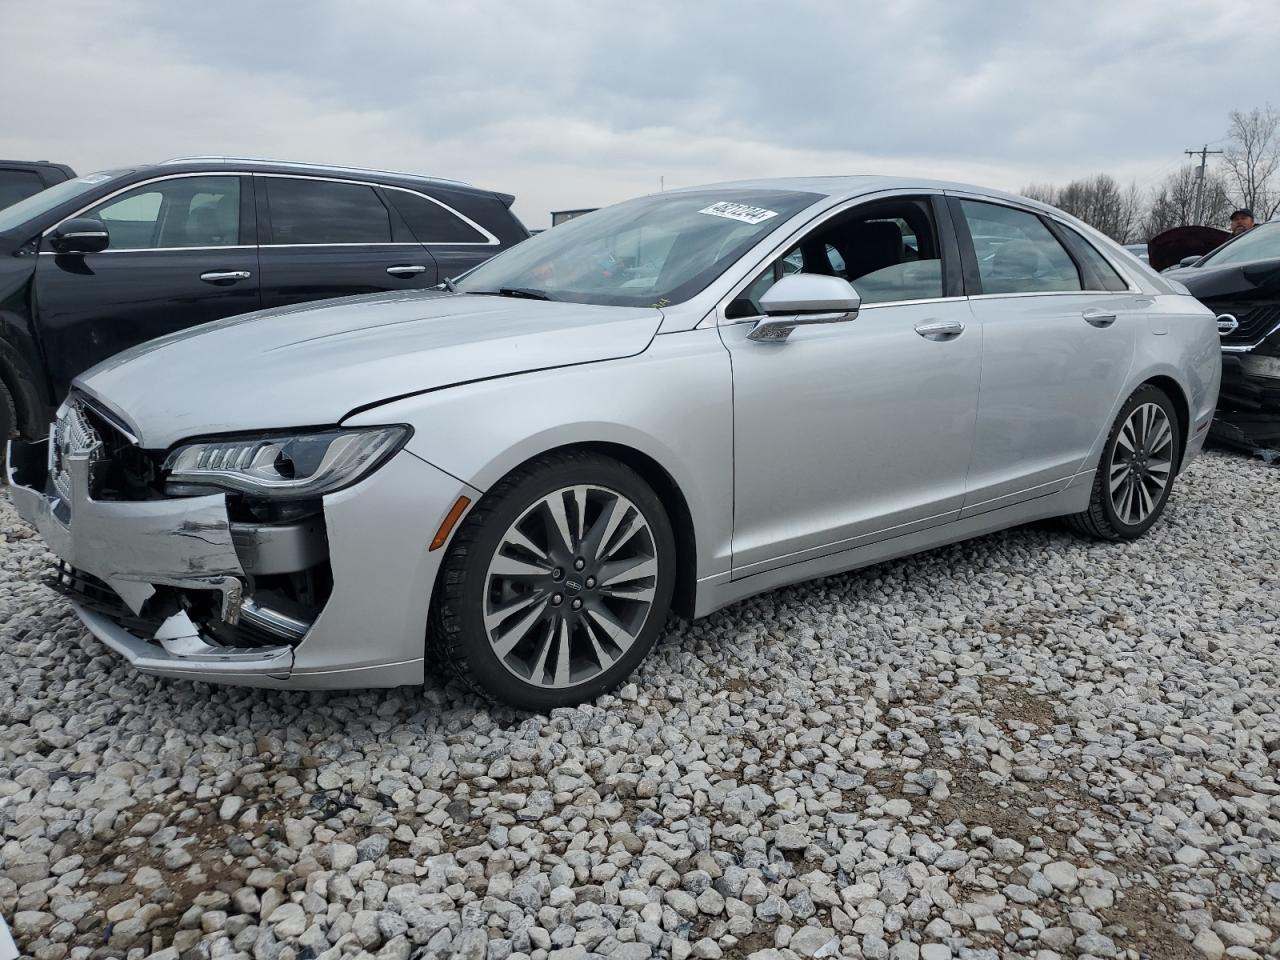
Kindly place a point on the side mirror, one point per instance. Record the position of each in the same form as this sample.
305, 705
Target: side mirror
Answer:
80, 235
1189, 261
801, 299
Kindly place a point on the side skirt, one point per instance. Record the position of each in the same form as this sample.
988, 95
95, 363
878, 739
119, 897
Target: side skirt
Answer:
720, 591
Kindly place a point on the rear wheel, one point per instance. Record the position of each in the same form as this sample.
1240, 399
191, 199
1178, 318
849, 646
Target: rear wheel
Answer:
557, 584
1135, 475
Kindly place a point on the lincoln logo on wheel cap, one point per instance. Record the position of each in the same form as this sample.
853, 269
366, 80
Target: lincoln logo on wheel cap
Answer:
574, 585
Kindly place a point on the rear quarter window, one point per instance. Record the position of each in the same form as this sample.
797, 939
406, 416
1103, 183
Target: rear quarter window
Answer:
430, 222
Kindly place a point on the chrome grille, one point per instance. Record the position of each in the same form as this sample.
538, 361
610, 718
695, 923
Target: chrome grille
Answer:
73, 434
1257, 320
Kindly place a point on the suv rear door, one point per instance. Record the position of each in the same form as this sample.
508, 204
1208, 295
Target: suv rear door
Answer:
181, 253
325, 237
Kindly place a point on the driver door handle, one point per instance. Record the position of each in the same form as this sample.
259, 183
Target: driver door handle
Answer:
407, 270
1099, 318
940, 330
225, 276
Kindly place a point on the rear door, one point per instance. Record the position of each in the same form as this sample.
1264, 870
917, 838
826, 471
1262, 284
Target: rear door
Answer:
181, 253
451, 226
1057, 346
325, 238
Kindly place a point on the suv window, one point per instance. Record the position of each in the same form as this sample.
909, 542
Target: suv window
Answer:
17, 185
182, 212
432, 223
888, 250
1016, 252
321, 211
1103, 272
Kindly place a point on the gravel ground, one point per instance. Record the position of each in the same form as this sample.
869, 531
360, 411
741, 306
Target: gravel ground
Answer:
1024, 746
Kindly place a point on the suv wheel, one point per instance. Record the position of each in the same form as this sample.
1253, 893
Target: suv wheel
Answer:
557, 584
1135, 474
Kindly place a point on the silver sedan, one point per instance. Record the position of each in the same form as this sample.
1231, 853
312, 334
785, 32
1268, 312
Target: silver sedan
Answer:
669, 404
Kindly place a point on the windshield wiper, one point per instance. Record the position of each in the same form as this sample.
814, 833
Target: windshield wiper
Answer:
522, 293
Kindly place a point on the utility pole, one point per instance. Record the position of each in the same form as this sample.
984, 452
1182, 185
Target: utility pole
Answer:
1204, 152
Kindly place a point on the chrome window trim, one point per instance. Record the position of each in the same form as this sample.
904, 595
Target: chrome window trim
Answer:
862, 309
491, 240
1056, 218
716, 316
329, 167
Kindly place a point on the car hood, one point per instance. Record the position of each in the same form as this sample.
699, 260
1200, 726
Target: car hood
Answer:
313, 364
1211, 281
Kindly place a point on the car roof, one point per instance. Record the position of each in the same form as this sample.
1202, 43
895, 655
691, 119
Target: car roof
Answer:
261, 165
855, 185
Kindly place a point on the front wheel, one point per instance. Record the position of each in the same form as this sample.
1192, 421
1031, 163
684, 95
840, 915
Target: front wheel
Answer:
1135, 474
557, 584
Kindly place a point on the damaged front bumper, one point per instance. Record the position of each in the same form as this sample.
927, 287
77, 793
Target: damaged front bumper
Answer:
126, 562
135, 547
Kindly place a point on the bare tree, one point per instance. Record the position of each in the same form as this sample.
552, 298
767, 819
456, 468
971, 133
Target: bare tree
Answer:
1099, 201
1173, 202
1253, 158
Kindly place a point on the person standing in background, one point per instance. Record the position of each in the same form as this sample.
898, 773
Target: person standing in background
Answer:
1242, 220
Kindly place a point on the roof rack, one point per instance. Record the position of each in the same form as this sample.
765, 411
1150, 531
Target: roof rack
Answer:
330, 167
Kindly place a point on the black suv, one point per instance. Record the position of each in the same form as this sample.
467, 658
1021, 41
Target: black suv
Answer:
20, 179
96, 264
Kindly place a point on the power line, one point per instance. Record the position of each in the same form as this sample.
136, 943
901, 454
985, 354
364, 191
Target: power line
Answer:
1204, 153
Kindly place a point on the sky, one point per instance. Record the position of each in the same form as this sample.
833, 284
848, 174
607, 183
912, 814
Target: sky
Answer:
581, 104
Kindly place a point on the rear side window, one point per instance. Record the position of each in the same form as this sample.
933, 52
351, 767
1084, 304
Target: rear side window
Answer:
1016, 252
1103, 272
17, 185
432, 223
320, 211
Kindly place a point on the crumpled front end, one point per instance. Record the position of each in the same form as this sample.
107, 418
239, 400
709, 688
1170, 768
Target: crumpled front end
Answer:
316, 594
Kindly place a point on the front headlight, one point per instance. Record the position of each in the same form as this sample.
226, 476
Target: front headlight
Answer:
284, 465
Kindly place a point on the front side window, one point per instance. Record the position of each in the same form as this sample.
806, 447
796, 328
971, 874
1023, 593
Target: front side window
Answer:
325, 212
888, 251
648, 252
182, 212
1260, 243
1016, 252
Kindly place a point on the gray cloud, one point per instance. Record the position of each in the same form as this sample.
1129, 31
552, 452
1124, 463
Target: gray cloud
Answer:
578, 104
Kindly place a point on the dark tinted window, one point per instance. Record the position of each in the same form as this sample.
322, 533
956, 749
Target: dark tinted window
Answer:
318, 211
1016, 252
432, 223
181, 212
1106, 274
17, 185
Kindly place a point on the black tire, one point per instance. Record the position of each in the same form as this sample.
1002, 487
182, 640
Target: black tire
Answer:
8, 430
1101, 520
457, 634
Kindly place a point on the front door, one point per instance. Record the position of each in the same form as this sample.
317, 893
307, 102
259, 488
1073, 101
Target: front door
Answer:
1057, 347
181, 253
862, 430
333, 238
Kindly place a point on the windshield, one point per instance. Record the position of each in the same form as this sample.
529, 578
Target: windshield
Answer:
649, 252
1260, 243
37, 205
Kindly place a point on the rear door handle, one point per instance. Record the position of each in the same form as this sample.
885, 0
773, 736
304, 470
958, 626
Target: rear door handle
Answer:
1099, 318
225, 276
940, 330
407, 270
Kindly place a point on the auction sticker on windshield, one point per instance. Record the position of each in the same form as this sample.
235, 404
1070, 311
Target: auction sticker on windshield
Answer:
739, 211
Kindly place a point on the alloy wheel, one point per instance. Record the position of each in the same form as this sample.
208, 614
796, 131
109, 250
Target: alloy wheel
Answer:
1141, 463
570, 586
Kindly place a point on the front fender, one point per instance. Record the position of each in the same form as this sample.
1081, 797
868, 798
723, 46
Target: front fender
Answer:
672, 403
